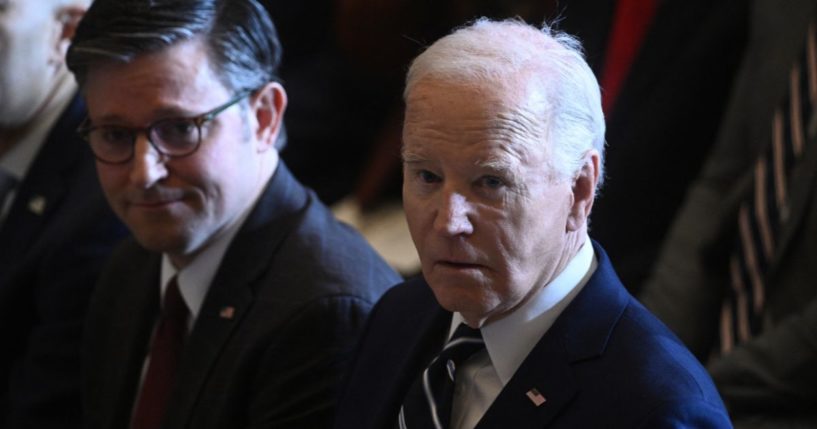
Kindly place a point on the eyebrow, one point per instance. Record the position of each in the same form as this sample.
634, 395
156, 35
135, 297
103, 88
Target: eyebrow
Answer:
496, 163
159, 115
411, 157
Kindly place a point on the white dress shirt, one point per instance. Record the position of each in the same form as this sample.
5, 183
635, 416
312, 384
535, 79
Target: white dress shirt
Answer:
509, 340
195, 279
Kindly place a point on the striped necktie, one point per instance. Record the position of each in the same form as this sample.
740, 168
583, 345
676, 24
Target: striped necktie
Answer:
165, 351
765, 210
428, 402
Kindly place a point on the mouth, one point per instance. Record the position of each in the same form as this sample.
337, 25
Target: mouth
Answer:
154, 203
459, 265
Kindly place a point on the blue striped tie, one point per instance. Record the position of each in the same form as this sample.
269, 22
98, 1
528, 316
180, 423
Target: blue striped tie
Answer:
428, 402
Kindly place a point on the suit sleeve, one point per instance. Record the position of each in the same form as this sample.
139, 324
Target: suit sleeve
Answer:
45, 384
773, 371
301, 372
687, 413
682, 291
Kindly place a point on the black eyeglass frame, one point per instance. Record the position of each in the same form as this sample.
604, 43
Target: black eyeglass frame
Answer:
85, 129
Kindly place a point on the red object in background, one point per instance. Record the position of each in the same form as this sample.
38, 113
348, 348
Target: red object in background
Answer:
630, 23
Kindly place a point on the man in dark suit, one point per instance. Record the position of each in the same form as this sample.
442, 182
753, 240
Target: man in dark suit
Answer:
240, 298
764, 369
56, 230
503, 145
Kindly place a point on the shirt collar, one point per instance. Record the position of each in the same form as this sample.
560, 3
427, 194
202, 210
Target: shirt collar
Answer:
21, 154
510, 339
195, 279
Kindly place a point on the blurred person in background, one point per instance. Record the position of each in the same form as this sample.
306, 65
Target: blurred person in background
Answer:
736, 276
56, 229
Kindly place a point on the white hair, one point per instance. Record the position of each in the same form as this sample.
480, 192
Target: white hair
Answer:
80, 3
491, 52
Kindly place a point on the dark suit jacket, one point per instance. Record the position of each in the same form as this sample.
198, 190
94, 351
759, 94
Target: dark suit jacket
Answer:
301, 285
774, 374
53, 244
606, 362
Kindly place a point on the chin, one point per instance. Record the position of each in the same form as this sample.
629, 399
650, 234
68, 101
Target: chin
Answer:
464, 299
161, 241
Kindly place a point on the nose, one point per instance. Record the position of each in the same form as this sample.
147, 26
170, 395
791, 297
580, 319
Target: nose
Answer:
453, 215
148, 165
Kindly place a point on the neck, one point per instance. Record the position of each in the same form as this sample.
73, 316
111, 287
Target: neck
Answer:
574, 240
269, 164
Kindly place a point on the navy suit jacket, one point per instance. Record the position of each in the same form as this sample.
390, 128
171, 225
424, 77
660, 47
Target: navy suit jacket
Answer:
300, 284
58, 233
606, 362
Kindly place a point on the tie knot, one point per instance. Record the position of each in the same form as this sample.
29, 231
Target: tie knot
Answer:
173, 306
428, 401
465, 333
463, 344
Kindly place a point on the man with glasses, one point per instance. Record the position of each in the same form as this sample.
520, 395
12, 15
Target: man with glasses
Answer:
240, 298
56, 230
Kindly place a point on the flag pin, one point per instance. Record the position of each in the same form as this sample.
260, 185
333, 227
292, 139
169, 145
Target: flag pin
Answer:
37, 205
536, 397
227, 312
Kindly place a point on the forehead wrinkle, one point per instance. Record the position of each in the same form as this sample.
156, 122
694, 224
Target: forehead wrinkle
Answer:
507, 163
521, 122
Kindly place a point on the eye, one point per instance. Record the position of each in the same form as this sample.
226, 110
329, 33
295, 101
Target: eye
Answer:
491, 182
427, 176
113, 136
176, 133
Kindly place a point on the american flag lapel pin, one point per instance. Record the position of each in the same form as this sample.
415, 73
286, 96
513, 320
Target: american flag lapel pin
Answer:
227, 312
37, 205
536, 397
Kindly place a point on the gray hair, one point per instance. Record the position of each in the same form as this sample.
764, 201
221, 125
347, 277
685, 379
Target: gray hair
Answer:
504, 51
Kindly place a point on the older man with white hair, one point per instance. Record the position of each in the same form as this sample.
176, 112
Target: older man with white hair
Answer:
518, 319
55, 228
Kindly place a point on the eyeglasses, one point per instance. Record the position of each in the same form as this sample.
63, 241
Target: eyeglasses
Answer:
172, 137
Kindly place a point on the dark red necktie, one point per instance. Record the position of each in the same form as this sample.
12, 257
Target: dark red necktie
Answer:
165, 351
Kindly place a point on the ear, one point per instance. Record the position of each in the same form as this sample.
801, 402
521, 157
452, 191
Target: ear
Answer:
584, 191
268, 106
67, 18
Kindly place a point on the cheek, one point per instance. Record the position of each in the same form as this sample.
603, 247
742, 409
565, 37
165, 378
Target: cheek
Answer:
113, 179
225, 183
415, 220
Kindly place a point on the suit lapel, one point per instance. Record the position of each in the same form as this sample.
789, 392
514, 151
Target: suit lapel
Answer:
579, 335
545, 372
279, 209
422, 338
136, 311
43, 188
